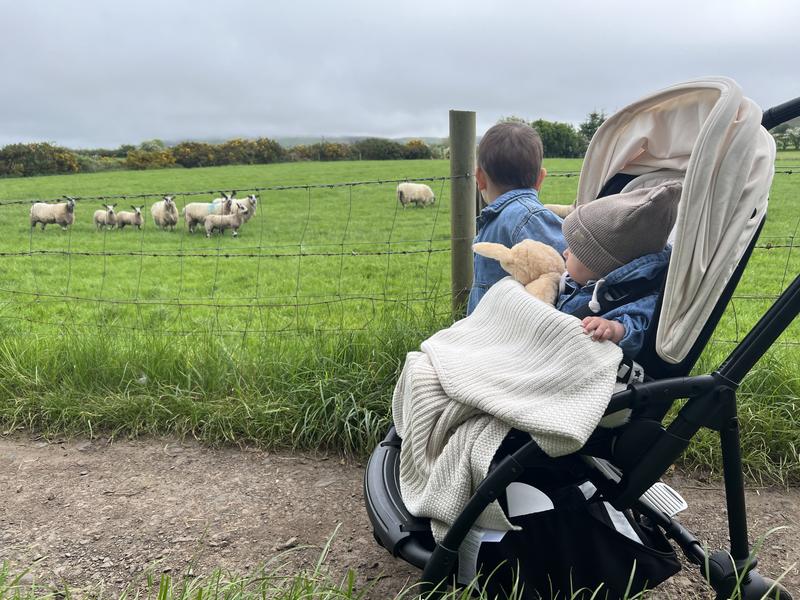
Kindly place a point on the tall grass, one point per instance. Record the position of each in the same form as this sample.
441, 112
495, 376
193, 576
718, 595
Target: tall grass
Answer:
310, 391
769, 419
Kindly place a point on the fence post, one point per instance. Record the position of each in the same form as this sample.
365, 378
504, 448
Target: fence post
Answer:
462, 205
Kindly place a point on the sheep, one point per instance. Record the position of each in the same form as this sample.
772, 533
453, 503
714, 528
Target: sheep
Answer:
223, 222
134, 219
165, 213
225, 198
251, 202
62, 214
195, 213
417, 193
105, 218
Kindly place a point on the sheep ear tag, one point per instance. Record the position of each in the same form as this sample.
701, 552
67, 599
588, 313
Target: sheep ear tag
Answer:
492, 250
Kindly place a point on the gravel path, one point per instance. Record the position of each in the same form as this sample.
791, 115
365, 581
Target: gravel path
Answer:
94, 514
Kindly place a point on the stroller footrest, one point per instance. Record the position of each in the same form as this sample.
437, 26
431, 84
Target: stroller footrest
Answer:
665, 498
660, 495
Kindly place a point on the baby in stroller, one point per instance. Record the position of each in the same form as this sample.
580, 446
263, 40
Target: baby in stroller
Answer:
618, 245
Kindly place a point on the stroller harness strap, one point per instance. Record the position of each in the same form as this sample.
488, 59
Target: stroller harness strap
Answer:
608, 301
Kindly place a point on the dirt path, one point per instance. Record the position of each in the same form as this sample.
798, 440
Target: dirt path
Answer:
93, 512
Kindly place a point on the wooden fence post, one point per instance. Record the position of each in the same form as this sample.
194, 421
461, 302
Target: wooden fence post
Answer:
462, 205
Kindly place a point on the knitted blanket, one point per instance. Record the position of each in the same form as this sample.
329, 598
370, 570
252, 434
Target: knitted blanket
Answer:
515, 362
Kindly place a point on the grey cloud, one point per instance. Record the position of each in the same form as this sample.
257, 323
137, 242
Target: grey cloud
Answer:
95, 73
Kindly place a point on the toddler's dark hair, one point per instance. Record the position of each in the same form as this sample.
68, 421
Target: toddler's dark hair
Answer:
511, 155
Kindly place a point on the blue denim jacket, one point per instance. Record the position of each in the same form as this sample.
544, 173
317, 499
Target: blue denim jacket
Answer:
515, 216
635, 316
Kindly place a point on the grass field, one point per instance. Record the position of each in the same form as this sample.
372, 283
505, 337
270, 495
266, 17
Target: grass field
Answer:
290, 335
314, 258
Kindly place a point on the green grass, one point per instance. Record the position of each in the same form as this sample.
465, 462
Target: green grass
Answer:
309, 259
291, 335
252, 343
788, 157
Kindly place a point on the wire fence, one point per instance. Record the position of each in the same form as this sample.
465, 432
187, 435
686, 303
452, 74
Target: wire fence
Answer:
329, 257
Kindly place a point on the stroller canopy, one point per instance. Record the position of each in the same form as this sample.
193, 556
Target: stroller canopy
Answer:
708, 134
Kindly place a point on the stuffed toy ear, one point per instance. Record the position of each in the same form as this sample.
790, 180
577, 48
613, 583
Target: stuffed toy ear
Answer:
492, 250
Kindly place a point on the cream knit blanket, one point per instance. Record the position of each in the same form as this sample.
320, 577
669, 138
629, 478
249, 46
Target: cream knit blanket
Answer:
515, 362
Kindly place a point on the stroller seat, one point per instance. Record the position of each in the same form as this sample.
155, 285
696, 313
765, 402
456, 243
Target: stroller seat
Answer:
621, 467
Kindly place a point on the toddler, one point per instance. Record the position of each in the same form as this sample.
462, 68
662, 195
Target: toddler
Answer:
509, 175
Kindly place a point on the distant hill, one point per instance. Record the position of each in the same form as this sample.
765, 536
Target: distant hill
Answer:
792, 123
289, 141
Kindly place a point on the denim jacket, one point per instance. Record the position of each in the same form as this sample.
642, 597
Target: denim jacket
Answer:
634, 316
514, 216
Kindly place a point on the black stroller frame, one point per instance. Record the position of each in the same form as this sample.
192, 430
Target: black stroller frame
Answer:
710, 403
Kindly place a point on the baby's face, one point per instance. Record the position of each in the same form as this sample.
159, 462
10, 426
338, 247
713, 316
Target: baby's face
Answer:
577, 270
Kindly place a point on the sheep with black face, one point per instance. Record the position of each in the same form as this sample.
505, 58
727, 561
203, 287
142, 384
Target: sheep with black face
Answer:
62, 214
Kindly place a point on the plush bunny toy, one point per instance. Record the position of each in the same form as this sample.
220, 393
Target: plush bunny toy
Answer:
535, 265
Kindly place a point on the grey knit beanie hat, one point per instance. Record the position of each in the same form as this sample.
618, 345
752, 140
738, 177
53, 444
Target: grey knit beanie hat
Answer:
612, 231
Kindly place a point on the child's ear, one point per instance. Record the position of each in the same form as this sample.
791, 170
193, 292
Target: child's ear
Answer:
480, 178
542, 174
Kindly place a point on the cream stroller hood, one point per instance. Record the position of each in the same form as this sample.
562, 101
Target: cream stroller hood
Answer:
706, 132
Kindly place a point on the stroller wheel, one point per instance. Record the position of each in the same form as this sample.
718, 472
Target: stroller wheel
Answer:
755, 587
762, 587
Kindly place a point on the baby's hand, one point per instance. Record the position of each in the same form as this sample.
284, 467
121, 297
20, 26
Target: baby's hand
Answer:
603, 329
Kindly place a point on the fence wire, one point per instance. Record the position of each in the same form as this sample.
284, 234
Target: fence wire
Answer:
329, 257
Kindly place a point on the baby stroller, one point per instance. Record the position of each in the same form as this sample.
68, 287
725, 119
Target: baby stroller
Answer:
714, 139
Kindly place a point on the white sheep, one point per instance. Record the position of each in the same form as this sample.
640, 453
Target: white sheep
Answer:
62, 214
165, 213
230, 221
106, 217
195, 213
134, 219
251, 202
417, 193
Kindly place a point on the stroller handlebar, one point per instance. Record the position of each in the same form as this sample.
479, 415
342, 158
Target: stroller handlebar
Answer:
781, 113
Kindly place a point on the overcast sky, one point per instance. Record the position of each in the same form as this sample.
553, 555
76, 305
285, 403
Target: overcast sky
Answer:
90, 73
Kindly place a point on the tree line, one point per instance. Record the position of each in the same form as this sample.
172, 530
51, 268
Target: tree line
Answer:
564, 140
786, 136
23, 160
